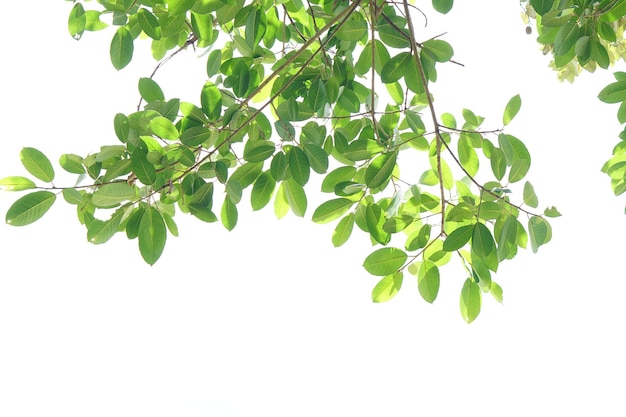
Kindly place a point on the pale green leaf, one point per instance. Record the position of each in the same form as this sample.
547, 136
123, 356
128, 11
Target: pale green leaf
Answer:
385, 261
387, 288
30, 208
37, 164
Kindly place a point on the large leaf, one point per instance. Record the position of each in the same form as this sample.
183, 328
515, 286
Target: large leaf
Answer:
211, 99
385, 261
471, 299
37, 164
482, 240
614, 92
152, 235
121, 50
331, 210
30, 208
16, 183
110, 195
380, 169
428, 281
387, 288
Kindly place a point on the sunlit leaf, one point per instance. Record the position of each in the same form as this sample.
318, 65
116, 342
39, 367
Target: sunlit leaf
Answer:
511, 109
121, 50
385, 261
331, 210
471, 299
37, 164
428, 281
387, 288
16, 183
30, 208
152, 235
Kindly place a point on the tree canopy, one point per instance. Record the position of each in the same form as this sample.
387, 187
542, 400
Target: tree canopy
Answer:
336, 89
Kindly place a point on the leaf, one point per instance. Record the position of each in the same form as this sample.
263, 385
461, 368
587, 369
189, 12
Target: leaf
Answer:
551, 212
542, 6
211, 99
152, 235
229, 214
496, 292
566, 37
30, 208
37, 164
144, 170
318, 158
343, 230
387, 288
471, 299
352, 30
163, 128
195, 136
110, 195
440, 50
99, 231
295, 197
540, 232
530, 198
443, 6
428, 281
176, 7
299, 166
262, 190
16, 183
331, 210
482, 240
258, 150
614, 92
150, 90
385, 261
380, 169
458, 238
72, 163
77, 21
511, 109
395, 68
519, 169
121, 50
149, 24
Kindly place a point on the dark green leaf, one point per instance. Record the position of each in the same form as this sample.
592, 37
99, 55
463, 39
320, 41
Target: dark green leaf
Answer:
395, 68
482, 240
262, 190
443, 6
299, 166
150, 90
613, 93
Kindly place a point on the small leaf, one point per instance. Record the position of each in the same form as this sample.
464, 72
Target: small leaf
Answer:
540, 232
37, 164
72, 163
229, 214
443, 6
552, 212
380, 169
471, 299
530, 198
152, 235
121, 50
299, 166
482, 240
77, 21
16, 183
343, 230
613, 93
511, 109
211, 99
387, 288
30, 208
385, 261
458, 238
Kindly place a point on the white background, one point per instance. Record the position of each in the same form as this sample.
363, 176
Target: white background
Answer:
270, 319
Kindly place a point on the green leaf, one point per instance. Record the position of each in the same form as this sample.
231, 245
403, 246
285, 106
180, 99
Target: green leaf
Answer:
519, 169
458, 238
385, 261
121, 50
318, 158
395, 68
163, 128
443, 6
37, 164
566, 37
77, 21
530, 198
72, 163
352, 30
331, 210
144, 170
511, 109
246, 174
195, 136
211, 99
613, 93
471, 299
428, 281
482, 240
380, 169
258, 150
343, 230
30, 208
16, 183
256, 25
387, 288
149, 24
551, 212
110, 195
229, 214
121, 127
213, 63
540, 232
542, 6
150, 90
296, 197
441, 50
99, 231
262, 190
496, 292
152, 235
176, 7
299, 166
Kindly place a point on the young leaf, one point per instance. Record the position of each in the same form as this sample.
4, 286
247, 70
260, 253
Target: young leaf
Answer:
511, 109
471, 299
152, 235
530, 198
37, 164
30, 208
343, 230
16, 183
387, 288
121, 50
552, 212
385, 261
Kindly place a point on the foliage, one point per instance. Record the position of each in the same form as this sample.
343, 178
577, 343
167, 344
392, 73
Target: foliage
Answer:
335, 88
